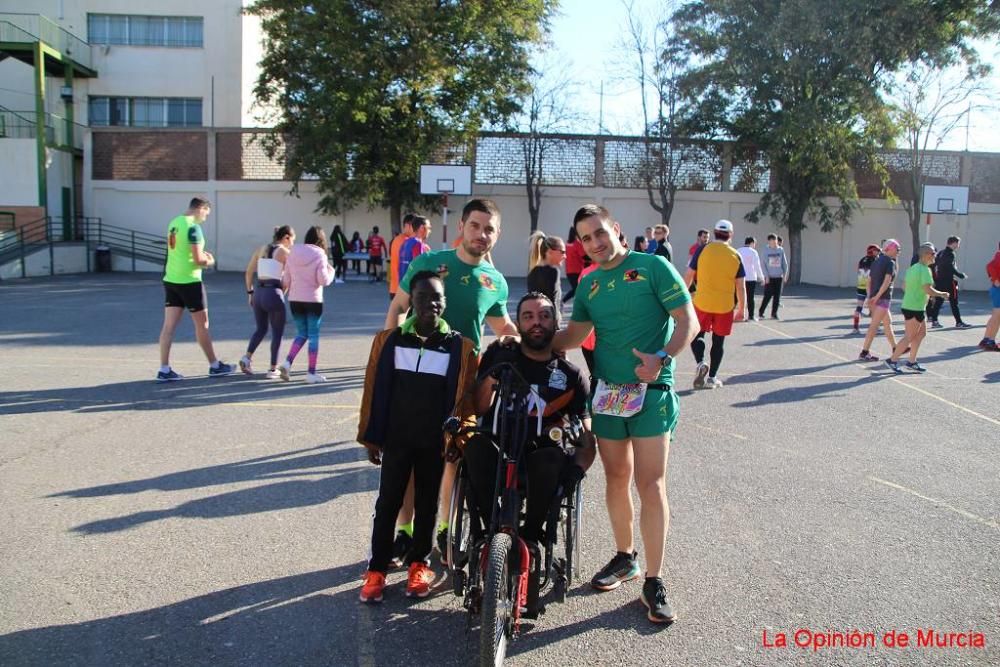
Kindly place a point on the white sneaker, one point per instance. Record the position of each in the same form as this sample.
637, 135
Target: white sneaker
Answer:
283, 370
245, 365
699, 375
314, 378
272, 374
713, 383
339, 281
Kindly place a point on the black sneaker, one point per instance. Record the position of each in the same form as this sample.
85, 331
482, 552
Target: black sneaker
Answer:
400, 547
654, 596
623, 567
221, 370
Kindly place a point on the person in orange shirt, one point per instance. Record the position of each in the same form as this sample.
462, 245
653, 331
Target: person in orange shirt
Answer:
405, 232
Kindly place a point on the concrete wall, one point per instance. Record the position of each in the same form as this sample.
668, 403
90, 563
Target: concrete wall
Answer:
65, 259
245, 213
18, 175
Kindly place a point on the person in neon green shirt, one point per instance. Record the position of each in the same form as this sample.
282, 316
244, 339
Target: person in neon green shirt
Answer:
642, 314
918, 287
182, 285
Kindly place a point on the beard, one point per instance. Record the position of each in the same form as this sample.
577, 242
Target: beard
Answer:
538, 343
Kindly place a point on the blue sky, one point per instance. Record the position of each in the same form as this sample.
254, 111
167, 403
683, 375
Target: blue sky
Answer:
588, 39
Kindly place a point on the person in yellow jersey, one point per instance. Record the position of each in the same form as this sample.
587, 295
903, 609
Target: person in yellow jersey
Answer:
719, 271
186, 257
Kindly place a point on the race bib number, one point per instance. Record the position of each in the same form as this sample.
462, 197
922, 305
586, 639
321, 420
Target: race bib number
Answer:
618, 400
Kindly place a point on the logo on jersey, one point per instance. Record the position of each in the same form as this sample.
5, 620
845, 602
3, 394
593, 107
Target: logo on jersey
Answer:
172, 239
633, 276
442, 270
487, 282
595, 287
464, 279
557, 379
611, 285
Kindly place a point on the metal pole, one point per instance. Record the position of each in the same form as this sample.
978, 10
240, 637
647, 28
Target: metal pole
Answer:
52, 259
133, 251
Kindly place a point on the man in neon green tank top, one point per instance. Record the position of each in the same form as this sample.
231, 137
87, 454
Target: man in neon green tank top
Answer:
642, 314
186, 257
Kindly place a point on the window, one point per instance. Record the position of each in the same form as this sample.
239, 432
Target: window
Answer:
146, 111
174, 31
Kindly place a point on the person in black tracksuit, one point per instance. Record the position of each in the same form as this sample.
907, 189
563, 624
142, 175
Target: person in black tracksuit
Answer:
945, 274
418, 374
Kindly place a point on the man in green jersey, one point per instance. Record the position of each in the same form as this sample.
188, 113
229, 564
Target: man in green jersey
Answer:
186, 256
642, 314
476, 293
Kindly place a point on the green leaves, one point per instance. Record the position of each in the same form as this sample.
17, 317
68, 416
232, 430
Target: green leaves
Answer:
366, 91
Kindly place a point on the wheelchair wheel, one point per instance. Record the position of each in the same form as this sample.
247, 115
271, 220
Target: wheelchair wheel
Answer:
498, 601
459, 538
574, 534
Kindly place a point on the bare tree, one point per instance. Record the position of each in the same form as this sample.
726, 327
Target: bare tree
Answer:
546, 112
669, 117
930, 105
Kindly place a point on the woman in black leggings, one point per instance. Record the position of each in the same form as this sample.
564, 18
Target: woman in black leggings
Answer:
267, 298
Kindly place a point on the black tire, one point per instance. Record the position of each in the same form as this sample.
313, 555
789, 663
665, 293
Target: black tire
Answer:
497, 611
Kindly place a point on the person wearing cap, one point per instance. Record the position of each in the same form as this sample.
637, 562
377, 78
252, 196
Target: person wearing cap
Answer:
861, 288
989, 341
775, 275
918, 287
719, 271
880, 277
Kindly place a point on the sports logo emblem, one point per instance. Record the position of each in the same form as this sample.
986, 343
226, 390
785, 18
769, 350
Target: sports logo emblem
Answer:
633, 276
595, 287
442, 270
487, 282
172, 239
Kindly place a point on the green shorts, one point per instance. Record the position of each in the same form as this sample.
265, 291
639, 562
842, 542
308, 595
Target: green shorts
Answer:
660, 410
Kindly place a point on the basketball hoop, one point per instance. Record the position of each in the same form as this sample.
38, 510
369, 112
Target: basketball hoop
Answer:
444, 180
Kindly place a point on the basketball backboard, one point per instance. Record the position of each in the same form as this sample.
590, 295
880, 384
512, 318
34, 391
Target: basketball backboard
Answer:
951, 199
445, 179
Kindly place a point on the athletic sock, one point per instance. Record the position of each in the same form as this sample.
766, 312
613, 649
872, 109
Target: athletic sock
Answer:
216, 364
442, 525
165, 369
406, 528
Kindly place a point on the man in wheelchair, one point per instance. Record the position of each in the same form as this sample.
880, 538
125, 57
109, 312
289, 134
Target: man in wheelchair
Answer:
559, 393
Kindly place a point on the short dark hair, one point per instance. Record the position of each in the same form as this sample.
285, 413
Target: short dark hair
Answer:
528, 297
721, 235
748, 240
422, 277
590, 211
702, 231
772, 237
198, 202
375, 229
481, 205
954, 239
408, 217
418, 221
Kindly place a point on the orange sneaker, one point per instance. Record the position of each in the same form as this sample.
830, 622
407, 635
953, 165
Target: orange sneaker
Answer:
419, 580
371, 590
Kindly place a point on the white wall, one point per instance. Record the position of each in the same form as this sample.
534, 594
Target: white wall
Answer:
18, 175
246, 212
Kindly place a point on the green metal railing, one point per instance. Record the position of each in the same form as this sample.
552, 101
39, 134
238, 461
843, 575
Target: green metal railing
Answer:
38, 27
46, 233
21, 125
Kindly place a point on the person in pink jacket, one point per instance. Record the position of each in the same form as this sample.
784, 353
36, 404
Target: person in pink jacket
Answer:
307, 272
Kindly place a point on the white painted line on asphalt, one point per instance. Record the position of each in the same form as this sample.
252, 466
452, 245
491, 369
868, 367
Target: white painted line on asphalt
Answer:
939, 503
347, 419
689, 422
891, 379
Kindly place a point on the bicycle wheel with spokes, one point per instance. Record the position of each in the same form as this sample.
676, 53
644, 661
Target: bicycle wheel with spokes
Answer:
498, 603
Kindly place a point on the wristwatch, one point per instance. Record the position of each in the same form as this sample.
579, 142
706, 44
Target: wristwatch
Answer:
664, 358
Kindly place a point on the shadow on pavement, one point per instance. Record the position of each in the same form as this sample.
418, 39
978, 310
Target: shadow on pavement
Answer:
190, 392
809, 392
284, 621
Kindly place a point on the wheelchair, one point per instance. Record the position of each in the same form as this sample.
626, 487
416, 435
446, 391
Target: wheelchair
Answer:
501, 577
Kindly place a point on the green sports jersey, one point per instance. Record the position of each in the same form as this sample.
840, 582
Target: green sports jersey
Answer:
472, 292
914, 296
630, 306
182, 234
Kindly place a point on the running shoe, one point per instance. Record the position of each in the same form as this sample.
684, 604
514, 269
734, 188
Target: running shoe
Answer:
245, 365
654, 596
419, 580
936, 325
915, 367
894, 366
371, 590
283, 370
272, 374
857, 332
867, 356
699, 375
963, 325
169, 376
399, 548
712, 383
222, 369
990, 345
623, 567
315, 378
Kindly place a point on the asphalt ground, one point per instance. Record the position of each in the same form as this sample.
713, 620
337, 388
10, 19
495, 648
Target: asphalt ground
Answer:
225, 521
